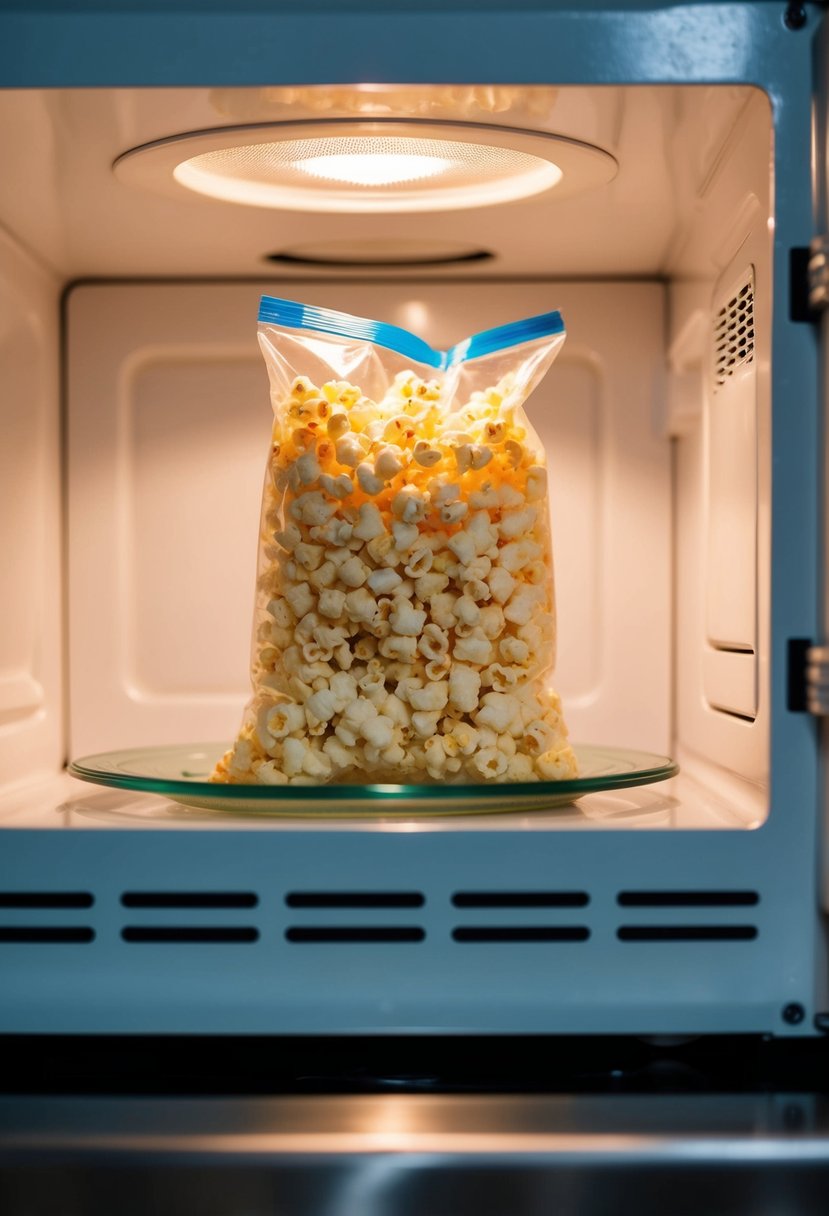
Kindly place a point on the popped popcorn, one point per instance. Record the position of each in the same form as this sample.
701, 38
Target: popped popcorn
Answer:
405, 617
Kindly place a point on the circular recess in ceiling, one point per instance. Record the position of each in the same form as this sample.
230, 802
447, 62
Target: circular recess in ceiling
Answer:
379, 254
365, 167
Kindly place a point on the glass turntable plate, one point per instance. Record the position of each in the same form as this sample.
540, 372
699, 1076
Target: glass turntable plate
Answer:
181, 772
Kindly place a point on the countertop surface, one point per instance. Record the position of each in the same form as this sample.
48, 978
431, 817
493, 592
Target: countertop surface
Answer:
437, 1128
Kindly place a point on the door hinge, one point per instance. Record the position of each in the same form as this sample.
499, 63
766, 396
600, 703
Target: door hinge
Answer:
817, 680
808, 682
818, 273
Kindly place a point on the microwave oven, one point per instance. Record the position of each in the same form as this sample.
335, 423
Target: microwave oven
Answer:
685, 424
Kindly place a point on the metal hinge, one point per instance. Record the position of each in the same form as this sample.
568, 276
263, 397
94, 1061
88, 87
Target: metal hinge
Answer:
817, 680
819, 273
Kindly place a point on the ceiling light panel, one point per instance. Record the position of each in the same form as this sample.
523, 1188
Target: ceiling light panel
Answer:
359, 167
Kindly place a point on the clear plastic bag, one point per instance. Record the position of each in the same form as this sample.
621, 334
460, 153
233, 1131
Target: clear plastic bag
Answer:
405, 616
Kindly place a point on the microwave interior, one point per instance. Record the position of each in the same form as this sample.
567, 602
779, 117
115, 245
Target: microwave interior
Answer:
136, 415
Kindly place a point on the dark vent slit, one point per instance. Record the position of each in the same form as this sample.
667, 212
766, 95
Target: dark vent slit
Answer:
734, 335
688, 899
354, 899
46, 899
46, 935
687, 933
355, 933
159, 934
189, 899
520, 899
521, 933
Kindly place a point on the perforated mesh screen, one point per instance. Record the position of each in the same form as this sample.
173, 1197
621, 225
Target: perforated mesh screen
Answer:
734, 334
435, 163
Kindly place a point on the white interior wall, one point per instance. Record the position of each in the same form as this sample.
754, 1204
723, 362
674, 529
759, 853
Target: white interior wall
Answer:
31, 593
727, 233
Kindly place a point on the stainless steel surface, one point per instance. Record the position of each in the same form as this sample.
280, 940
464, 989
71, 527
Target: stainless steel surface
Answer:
762, 1154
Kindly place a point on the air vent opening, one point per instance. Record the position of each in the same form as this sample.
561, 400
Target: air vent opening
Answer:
688, 899
379, 255
734, 334
520, 899
189, 934
687, 933
189, 899
521, 933
46, 899
355, 899
47, 935
365, 934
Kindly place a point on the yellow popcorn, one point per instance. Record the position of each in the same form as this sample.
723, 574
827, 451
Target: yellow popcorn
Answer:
405, 612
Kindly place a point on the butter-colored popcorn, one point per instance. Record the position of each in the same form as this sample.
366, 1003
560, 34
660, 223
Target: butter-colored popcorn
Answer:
426, 455
490, 763
300, 598
360, 605
370, 523
350, 451
389, 462
405, 604
406, 620
433, 696
476, 648
340, 486
425, 723
498, 711
464, 687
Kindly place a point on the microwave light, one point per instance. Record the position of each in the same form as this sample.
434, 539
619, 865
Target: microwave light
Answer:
379, 169
367, 167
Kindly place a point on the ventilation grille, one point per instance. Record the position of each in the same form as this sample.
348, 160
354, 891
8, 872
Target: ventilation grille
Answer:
521, 933
688, 899
687, 932
521, 899
355, 899
189, 899
354, 917
47, 934
365, 933
734, 334
511, 933
46, 899
190, 934
339, 934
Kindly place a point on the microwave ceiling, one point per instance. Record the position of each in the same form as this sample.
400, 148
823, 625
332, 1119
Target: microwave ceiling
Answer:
639, 158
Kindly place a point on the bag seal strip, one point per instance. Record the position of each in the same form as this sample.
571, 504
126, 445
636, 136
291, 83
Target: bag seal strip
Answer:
294, 315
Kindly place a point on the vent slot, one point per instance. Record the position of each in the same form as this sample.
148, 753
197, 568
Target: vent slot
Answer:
355, 899
734, 335
180, 934
189, 899
48, 935
521, 933
521, 899
46, 899
688, 899
340, 934
687, 933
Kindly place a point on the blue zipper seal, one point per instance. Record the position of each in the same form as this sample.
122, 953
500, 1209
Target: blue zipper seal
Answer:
293, 315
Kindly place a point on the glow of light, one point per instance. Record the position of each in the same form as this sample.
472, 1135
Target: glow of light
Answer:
376, 169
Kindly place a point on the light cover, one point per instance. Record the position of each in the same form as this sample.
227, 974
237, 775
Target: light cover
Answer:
367, 167
368, 173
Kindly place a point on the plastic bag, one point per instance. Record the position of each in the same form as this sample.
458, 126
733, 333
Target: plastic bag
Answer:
405, 617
